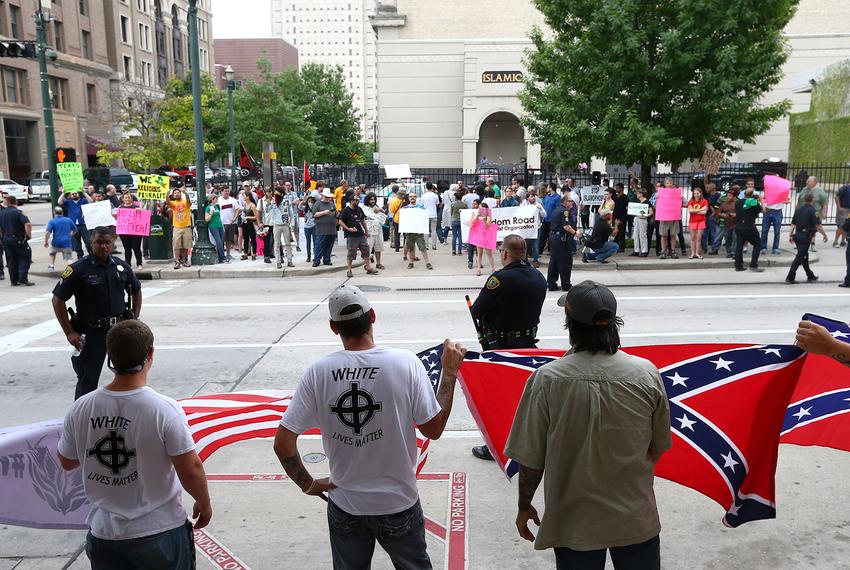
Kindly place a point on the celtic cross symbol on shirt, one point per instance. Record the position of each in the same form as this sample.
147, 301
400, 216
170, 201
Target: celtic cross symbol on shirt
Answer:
111, 452
355, 408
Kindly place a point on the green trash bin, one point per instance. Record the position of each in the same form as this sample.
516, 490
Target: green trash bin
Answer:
159, 244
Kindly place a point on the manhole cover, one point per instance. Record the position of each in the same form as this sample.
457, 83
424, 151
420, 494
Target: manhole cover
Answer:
373, 288
314, 458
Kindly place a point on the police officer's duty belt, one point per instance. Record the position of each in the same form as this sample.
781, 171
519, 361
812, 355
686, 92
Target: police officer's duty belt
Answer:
98, 323
510, 335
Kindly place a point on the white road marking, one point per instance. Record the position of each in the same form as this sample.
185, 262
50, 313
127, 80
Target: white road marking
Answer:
424, 341
18, 340
25, 302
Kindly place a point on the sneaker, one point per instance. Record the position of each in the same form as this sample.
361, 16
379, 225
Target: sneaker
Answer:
469, 265
279, 265
50, 268
776, 252
663, 255
26, 283
844, 285
757, 269
267, 260
836, 244
429, 266
812, 278
740, 269
584, 257
298, 248
177, 265
244, 257
676, 254
453, 253
764, 251
644, 254
253, 258
186, 264
553, 287
138, 267
712, 253
410, 266
790, 282
535, 264
290, 264
227, 260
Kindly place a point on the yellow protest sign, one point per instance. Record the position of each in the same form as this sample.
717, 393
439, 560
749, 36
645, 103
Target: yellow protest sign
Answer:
152, 187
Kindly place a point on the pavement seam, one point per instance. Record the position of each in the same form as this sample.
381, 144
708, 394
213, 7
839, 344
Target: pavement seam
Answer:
74, 556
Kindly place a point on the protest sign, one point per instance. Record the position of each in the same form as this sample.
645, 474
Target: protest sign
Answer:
98, 214
133, 222
776, 189
413, 221
152, 187
397, 170
482, 234
71, 176
711, 161
668, 206
638, 209
592, 195
518, 220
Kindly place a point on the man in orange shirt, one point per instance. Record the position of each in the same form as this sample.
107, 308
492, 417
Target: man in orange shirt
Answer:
180, 206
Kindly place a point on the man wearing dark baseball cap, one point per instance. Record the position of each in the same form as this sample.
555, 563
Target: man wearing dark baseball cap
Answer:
596, 421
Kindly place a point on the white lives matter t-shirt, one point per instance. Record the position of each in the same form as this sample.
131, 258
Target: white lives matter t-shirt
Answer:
365, 403
124, 442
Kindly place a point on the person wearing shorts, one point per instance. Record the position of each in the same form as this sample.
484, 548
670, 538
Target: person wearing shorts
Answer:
229, 215
61, 229
179, 204
669, 230
697, 208
375, 220
352, 220
412, 241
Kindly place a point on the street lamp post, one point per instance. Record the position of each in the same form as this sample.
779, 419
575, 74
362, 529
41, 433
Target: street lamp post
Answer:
231, 85
204, 253
41, 19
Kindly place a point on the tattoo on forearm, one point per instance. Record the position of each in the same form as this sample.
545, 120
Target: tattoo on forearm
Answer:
529, 480
446, 392
296, 471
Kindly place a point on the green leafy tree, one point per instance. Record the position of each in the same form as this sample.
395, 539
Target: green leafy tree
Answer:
648, 81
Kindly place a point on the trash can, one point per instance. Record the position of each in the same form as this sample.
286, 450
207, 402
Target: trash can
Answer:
160, 238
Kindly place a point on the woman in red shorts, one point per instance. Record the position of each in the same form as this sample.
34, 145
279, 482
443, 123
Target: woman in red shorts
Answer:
697, 208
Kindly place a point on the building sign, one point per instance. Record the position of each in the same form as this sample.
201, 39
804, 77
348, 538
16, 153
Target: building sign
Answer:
501, 77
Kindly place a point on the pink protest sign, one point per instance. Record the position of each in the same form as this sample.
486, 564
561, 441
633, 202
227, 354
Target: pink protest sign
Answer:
133, 222
483, 235
668, 206
776, 189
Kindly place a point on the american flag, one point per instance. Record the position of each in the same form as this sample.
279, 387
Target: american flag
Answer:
217, 420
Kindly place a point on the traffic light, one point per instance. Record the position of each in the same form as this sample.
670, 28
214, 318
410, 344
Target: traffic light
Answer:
65, 155
19, 49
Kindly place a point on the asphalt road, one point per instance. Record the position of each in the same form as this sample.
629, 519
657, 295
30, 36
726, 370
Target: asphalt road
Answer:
223, 335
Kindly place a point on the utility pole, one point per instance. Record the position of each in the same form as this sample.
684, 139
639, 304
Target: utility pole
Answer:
41, 20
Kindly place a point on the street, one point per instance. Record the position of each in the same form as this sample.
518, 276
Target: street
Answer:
227, 335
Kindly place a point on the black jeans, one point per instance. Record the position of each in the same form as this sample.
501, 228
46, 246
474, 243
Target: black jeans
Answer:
621, 235
249, 239
744, 235
173, 549
18, 258
802, 241
268, 245
89, 363
643, 556
132, 244
543, 240
401, 535
560, 263
847, 261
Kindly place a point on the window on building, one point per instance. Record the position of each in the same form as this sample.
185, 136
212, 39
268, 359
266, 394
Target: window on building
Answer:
205, 59
145, 37
84, 7
14, 85
142, 5
14, 21
128, 68
125, 30
58, 93
58, 37
91, 98
147, 73
87, 45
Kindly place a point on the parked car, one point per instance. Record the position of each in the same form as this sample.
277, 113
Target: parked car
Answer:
39, 189
100, 177
12, 188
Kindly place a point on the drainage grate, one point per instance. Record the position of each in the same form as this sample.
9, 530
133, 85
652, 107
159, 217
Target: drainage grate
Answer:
470, 288
373, 288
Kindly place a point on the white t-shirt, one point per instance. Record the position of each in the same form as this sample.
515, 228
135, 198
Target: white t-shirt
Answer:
228, 208
430, 200
124, 442
469, 198
372, 453
491, 202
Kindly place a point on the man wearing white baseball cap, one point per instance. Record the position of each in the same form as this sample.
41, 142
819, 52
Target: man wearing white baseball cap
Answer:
366, 399
596, 421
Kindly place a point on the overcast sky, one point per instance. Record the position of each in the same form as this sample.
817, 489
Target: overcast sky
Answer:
241, 18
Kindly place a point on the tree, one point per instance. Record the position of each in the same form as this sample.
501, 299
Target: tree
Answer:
643, 81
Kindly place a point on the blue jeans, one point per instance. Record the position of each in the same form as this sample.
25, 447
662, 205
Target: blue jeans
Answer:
218, 238
323, 248
604, 252
173, 549
309, 238
531, 246
771, 218
401, 535
457, 238
643, 556
712, 228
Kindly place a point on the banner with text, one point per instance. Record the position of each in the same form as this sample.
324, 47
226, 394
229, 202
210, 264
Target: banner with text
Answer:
668, 206
71, 176
776, 189
152, 187
519, 220
133, 222
97, 214
592, 195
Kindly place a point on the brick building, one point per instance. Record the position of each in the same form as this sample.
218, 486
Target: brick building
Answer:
242, 56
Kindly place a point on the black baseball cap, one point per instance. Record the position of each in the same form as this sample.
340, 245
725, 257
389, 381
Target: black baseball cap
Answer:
585, 301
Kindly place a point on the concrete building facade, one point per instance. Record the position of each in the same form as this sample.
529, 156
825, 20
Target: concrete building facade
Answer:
242, 56
448, 84
334, 33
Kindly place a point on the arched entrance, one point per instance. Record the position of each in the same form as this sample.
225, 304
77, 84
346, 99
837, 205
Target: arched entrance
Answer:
501, 139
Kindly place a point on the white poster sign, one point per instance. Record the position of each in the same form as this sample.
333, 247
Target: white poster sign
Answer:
592, 195
519, 220
397, 170
413, 221
637, 209
98, 214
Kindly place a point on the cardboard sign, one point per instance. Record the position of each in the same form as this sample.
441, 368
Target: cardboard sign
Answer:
97, 214
152, 187
776, 189
413, 221
638, 209
482, 234
517, 220
668, 206
711, 161
593, 195
133, 222
397, 170
71, 176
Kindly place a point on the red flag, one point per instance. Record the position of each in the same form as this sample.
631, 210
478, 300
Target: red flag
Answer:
306, 175
245, 160
727, 405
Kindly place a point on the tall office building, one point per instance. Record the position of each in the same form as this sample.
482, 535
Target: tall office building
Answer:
334, 33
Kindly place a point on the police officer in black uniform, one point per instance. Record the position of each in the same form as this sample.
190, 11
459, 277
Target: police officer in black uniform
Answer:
106, 292
561, 239
508, 307
16, 231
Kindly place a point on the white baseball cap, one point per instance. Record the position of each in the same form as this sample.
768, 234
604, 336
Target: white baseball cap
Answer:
327, 193
346, 296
